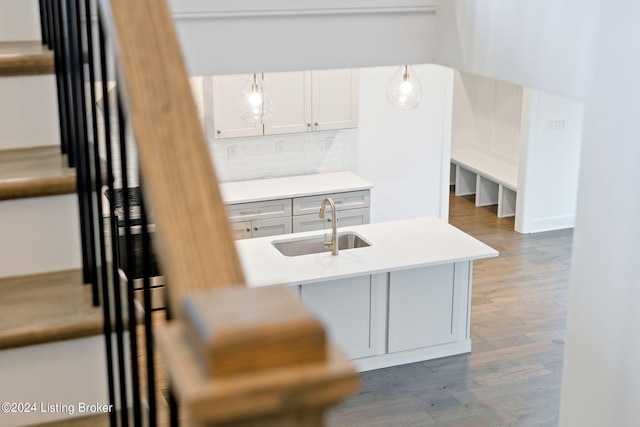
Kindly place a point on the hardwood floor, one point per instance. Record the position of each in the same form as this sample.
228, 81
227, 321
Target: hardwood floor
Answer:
513, 375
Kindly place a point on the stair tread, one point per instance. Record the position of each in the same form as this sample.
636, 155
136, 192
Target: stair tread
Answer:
24, 58
45, 308
35, 172
99, 420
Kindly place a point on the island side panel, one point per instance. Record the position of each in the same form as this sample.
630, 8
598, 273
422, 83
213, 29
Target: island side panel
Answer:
422, 307
350, 310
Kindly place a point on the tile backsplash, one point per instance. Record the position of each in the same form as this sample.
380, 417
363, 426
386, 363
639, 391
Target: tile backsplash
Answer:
281, 155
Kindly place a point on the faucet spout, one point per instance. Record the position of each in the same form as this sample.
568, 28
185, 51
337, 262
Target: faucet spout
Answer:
334, 228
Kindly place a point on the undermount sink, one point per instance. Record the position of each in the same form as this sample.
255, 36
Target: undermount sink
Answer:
314, 245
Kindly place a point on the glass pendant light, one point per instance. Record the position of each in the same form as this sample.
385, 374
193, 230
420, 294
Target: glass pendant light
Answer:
255, 104
404, 91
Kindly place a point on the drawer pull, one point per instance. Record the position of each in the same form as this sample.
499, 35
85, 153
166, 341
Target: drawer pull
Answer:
255, 228
248, 229
254, 212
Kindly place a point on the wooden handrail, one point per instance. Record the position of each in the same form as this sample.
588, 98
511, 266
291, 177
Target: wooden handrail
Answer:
235, 356
195, 243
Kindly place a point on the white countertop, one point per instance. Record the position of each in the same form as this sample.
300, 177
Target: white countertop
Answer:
291, 186
395, 245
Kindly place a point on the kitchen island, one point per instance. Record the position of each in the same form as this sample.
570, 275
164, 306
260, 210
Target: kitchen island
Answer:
404, 298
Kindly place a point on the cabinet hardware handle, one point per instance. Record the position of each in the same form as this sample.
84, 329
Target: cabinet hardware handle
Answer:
317, 124
256, 228
248, 229
308, 125
218, 131
254, 212
328, 219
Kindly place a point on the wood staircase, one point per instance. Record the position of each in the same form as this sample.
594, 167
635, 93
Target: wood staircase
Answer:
52, 351
50, 334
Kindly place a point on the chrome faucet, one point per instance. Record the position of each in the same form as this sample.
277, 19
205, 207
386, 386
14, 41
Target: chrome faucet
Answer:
333, 244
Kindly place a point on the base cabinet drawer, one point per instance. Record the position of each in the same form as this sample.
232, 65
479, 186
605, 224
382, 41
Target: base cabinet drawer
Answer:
346, 200
346, 218
259, 210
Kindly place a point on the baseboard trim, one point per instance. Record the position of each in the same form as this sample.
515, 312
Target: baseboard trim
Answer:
412, 356
552, 223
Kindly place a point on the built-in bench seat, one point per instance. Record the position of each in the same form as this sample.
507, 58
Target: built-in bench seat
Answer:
491, 180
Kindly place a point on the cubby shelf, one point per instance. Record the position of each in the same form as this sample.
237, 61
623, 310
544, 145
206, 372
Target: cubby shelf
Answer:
491, 180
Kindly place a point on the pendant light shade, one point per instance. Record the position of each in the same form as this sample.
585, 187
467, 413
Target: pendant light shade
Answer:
255, 103
404, 91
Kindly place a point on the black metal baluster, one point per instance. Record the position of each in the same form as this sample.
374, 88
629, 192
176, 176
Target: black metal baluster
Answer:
60, 61
148, 324
113, 222
173, 403
117, 297
106, 302
79, 138
44, 30
48, 4
131, 267
90, 150
173, 409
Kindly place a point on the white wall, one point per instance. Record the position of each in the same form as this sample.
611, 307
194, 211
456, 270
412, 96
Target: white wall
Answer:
251, 36
486, 116
543, 44
63, 372
601, 379
405, 154
39, 234
548, 181
28, 112
19, 20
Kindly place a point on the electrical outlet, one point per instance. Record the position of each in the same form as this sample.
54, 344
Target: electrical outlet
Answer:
557, 124
231, 152
328, 142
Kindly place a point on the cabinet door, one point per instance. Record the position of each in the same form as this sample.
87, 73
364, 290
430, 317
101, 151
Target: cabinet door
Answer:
350, 310
271, 227
425, 306
226, 117
241, 230
310, 222
291, 93
335, 99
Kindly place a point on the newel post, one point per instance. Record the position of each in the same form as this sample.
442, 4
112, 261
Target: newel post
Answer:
253, 357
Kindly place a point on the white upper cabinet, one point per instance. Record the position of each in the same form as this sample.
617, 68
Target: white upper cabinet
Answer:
302, 101
291, 94
335, 99
221, 113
